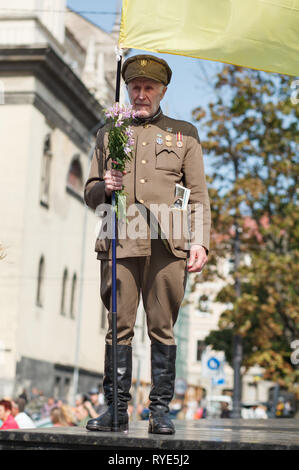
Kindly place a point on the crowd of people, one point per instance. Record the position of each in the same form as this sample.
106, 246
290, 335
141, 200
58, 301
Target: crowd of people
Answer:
41, 411
13, 415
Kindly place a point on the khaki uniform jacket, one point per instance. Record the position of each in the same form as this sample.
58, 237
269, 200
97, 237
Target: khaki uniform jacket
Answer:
157, 165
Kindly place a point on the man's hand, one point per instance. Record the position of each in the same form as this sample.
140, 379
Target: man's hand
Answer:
113, 181
198, 258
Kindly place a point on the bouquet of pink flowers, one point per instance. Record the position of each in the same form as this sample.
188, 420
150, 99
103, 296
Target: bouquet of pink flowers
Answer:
120, 140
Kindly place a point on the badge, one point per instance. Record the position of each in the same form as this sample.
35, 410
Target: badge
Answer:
168, 129
159, 141
168, 143
168, 138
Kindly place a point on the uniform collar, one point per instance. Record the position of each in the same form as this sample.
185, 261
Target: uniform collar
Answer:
149, 120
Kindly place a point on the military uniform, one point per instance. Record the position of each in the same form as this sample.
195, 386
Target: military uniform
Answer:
166, 152
150, 179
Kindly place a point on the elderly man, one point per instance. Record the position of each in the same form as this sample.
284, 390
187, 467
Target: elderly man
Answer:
167, 153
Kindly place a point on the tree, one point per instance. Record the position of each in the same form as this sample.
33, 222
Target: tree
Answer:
252, 145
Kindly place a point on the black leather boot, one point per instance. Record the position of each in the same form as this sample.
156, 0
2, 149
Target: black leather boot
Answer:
104, 422
163, 377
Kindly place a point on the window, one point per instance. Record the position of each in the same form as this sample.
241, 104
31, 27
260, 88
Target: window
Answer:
45, 176
40, 282
63, 293
73, 296
200, 347
57, 386
66, 387
75, 175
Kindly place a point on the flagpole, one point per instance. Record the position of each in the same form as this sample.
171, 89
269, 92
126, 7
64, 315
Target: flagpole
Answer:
115, 424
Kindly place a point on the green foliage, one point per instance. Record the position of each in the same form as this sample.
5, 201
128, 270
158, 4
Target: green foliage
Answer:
252, 146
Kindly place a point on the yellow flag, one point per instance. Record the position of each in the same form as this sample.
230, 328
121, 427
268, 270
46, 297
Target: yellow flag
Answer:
259, 34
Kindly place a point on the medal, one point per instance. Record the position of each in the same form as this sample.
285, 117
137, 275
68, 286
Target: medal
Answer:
168, 138
179, 139
168, 143
159, 140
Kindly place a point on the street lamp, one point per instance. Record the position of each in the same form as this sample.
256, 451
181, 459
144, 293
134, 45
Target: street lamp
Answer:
237, 339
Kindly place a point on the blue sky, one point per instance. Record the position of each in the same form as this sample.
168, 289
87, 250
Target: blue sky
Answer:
192, 79
191, 83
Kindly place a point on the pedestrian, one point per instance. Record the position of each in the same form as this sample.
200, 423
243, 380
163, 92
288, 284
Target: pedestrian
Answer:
82, 415
6, 416
57, 417
167, 152
192, 406
182, 413
36, 403
48, 406
97, 399
191, 403
280, 408
67, 413
18, 411
225, 412
24, 395
80, 399
260, 412
287, 411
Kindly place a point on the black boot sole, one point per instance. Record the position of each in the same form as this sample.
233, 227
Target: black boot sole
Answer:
122, 427
152, 430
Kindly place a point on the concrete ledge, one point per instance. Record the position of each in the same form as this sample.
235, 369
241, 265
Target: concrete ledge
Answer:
278, 434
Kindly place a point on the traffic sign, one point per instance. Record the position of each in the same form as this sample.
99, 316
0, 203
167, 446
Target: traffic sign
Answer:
213, 363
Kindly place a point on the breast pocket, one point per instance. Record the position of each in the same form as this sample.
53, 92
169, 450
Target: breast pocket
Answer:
168, 158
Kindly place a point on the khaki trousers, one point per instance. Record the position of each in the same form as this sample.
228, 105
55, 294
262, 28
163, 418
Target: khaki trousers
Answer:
160, 278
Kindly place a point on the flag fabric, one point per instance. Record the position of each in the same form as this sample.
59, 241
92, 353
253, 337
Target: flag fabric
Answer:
259, 34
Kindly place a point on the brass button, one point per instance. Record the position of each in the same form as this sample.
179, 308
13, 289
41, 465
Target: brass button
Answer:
144, 144
143, 162
142, 180
142, 201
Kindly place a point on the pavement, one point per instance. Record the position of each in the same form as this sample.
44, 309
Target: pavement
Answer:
221, 434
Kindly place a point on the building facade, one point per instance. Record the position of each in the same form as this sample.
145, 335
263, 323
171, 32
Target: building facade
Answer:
57, 73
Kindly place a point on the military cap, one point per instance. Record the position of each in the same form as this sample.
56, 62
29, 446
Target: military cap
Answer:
147, 66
